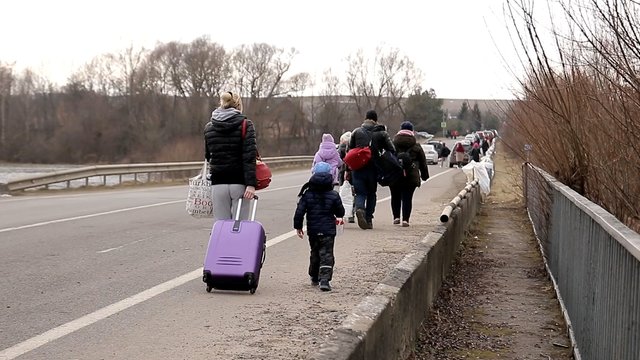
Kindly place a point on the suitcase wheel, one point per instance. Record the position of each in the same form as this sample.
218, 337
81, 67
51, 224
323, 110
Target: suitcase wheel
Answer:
209, 288
251, 282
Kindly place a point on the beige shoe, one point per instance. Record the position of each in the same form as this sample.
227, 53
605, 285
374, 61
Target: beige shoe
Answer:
405, 224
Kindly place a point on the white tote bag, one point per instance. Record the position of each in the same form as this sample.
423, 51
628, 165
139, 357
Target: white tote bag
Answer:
199, 197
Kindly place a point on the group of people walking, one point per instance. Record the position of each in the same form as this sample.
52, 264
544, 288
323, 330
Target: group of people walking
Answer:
230, 149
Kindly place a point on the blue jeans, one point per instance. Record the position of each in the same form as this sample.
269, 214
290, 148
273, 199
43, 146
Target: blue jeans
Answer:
365, 187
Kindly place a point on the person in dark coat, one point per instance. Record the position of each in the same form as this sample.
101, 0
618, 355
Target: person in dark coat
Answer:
322, 207
231, 153
475, 152
365, 179
402, 190
485, 145
343, 147
444, 154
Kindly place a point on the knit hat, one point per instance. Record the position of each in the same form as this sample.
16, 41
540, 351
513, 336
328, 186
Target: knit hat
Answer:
327, 138
321, 167
371, 115
407, 125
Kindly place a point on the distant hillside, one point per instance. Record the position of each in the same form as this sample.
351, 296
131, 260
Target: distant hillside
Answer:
452, 106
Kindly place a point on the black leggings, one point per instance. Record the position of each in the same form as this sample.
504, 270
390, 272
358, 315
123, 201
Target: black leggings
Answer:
402, 196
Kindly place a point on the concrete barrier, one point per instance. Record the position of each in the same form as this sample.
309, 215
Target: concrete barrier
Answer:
385, 324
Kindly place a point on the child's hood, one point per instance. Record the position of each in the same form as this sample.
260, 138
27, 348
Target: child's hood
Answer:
321, 182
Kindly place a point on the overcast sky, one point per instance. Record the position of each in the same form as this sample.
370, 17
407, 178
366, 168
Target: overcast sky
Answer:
458, 44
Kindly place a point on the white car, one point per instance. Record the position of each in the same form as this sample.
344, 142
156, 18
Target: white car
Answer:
431, 153
470, 137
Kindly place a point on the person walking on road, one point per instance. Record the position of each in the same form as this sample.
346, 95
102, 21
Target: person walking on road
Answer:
327, 152
344, 175
444, 154
322, 207
365, 179
475, 152
231, 156
459, 151
402, 190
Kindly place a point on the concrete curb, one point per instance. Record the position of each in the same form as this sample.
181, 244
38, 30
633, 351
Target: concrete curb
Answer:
384, 325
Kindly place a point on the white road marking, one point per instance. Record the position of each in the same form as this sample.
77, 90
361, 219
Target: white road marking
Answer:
117, 211
281, 238
121, 246
87, 216
101, 314
77, 324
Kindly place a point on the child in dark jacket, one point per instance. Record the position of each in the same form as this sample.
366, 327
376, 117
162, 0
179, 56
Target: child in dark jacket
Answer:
322, 206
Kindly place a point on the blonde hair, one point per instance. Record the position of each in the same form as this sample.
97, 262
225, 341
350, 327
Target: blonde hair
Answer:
230, 100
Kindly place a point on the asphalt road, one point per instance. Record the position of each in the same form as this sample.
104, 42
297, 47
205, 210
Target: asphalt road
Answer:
117, 273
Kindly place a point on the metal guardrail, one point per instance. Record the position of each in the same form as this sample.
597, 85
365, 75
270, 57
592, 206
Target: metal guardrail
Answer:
127, 169
594, 263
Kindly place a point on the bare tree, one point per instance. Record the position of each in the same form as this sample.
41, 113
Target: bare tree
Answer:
381, 83
6, 84
259, 73
580, 104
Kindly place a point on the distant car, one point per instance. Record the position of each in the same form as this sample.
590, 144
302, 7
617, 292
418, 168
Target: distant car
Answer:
436, 144
467, 157
470, 137
431, 153
423, 136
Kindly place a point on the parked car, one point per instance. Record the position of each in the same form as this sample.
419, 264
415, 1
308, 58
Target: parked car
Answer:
467, 157
436, 144
430, 153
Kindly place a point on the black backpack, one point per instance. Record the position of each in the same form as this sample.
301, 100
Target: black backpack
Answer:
406, 162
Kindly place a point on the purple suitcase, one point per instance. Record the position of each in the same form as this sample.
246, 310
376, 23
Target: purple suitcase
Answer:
235, 253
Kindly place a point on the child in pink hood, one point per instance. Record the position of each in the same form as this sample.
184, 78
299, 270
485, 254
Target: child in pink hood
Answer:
328, 152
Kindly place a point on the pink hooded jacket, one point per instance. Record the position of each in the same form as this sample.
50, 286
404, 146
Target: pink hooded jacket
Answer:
328, 152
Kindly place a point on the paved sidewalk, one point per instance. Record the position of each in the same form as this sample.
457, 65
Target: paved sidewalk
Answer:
499, 302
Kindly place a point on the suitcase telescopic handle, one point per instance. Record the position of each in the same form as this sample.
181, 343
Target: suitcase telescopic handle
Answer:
253, 210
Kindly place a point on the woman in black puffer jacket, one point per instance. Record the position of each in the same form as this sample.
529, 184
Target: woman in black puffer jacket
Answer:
403, 189
230, 150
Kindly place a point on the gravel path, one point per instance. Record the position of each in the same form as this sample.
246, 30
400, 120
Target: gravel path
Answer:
499, 302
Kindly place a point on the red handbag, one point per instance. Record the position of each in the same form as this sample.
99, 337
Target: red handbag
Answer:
263, 173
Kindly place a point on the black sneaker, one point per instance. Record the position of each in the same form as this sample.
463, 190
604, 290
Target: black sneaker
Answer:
314, 282
324, 285
362, 222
